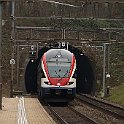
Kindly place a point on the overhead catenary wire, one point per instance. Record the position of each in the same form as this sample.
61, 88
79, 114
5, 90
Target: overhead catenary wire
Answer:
60, 3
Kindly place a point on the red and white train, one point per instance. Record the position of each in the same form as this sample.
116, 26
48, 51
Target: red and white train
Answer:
56, 75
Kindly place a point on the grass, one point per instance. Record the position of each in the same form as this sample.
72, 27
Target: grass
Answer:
117, 94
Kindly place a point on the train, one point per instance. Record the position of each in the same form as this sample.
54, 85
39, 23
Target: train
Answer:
57, 76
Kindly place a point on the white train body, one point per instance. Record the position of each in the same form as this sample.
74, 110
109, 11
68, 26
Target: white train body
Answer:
56, 75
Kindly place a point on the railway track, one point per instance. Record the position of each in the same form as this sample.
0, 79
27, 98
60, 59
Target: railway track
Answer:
77, 111
68, 115
109, 108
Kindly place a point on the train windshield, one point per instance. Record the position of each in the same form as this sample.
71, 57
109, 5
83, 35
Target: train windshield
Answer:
59, 69
58, 63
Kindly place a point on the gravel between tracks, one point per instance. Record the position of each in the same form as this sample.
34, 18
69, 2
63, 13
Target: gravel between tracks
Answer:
96, 114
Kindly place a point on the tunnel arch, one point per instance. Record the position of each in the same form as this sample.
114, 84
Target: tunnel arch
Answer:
85, 74
31, 72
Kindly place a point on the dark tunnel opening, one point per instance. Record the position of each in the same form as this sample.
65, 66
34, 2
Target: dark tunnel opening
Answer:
31, 72
85, 74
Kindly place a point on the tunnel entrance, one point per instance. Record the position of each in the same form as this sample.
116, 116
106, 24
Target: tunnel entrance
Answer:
85, 74
31, 72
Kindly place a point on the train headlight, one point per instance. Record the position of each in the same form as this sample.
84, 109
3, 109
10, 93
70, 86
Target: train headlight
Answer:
48, 83
69, 83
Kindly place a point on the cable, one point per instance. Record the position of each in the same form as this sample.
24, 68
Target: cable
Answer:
64, 4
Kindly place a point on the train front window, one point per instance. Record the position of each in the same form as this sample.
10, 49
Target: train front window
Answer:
59, 69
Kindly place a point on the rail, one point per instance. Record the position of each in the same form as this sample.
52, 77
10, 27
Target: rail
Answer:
57, 115
68, 114
115, 110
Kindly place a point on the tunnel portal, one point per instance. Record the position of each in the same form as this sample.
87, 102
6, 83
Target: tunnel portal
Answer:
85, 75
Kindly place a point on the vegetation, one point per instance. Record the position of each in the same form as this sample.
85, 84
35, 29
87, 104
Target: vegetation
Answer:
117, 94
87, 23
117, 64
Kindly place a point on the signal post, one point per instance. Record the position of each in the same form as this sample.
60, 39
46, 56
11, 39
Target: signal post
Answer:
33, 53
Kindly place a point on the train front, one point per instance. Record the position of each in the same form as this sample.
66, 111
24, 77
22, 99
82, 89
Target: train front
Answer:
59, 69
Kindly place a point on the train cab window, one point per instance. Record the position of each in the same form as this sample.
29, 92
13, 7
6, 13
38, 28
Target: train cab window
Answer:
59, 63
58, 70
